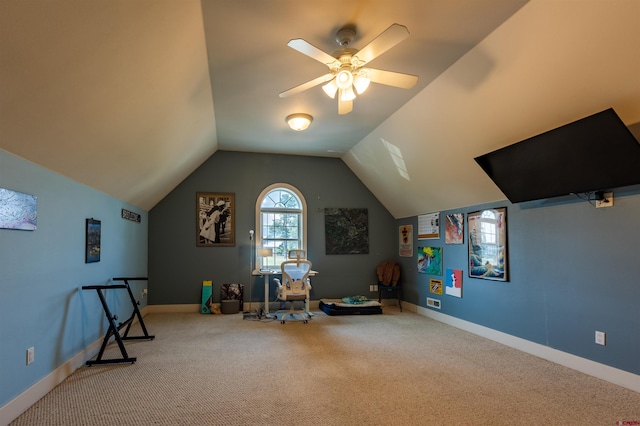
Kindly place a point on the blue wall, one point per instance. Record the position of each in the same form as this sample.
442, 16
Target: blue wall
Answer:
42, 271
573, 270
177, 266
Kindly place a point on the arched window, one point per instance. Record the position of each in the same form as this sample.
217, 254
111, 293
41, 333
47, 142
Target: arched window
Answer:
281, 223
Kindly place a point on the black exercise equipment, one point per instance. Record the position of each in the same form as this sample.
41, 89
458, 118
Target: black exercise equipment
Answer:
114, 330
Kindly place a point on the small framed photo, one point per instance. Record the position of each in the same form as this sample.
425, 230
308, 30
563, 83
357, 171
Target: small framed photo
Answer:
435, 286
215, 224
92, 239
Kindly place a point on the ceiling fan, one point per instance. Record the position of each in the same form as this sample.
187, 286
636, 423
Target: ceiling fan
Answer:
347, 69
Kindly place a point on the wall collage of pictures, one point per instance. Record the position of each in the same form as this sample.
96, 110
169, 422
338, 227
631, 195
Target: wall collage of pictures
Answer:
487, 247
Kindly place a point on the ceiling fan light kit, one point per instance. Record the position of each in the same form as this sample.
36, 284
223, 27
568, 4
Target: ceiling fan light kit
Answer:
330, 89
346, 71
299, 121
361, 81
344, 79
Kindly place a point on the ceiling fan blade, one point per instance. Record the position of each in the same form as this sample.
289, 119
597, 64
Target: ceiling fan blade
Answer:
344, 107
385, 41
307, 85
313, 52
390, 78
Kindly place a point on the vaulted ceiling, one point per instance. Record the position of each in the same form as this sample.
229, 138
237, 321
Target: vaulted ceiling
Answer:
129, 97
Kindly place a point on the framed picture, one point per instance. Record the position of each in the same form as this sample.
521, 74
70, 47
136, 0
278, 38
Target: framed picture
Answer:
488, 244
92, 239
430, 260
18, 210
215, 214
435, 286
454, 228
429, 226
453, 282
405, 235
346, 231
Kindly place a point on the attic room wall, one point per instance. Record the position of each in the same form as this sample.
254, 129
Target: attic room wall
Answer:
42, 272
177, 266
573, 270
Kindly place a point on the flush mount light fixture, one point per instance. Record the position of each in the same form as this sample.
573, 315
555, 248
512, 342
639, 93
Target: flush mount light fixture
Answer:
299, 121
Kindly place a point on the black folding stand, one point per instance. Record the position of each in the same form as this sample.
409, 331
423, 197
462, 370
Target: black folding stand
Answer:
114, 330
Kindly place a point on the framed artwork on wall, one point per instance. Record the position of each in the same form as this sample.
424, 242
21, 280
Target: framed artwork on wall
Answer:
405, 235
453, 282
430, 260
18, 210
488, 244
435, 286
92, 239
346, 231
454, 228
215, 214
429, 226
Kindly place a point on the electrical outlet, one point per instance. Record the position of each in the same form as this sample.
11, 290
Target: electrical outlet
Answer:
606, 201
600, 338
30, 355
144, 292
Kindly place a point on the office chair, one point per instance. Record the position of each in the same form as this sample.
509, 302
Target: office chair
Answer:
297, 254
295, 286
389, 279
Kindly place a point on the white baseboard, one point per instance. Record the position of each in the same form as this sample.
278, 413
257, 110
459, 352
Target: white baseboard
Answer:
26, 399
11, 410
175, 309
592, 368
172, 309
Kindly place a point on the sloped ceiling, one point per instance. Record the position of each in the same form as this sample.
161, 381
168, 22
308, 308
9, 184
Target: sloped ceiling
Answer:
120, 95
113, 94
552, 63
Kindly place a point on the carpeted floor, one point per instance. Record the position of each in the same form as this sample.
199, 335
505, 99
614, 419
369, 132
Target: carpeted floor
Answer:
391, 369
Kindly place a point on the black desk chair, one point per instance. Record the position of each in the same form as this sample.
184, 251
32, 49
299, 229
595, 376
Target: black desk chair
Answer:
389, 280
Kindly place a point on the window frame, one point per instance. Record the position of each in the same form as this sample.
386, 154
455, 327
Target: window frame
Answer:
302, 233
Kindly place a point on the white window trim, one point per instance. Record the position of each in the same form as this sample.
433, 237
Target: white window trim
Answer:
258, 228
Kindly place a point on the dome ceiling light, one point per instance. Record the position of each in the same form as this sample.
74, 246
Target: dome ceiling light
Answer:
299, 121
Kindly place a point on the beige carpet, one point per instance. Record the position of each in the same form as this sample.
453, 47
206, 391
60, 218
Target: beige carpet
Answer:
390, 369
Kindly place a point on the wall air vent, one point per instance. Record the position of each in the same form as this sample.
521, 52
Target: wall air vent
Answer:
433, 303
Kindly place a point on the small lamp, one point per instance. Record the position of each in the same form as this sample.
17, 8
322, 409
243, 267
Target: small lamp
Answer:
264, 252
299, 122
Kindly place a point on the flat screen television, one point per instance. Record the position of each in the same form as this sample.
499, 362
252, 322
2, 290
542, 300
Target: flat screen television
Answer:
596, 153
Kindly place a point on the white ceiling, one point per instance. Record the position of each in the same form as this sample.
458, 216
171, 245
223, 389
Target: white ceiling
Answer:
129, 97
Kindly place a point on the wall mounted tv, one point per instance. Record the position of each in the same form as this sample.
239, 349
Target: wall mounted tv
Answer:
595, 153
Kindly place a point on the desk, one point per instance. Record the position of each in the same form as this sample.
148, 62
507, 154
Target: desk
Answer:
266, 274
